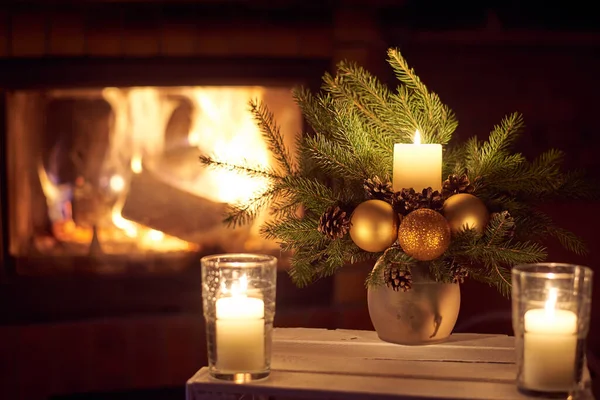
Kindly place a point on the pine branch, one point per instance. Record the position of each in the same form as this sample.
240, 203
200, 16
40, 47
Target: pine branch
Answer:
272, 134
406, 74
348, 85
503, 135
498, 228
368, 158
319, 111
285, 208
440, 270
295, 232
409, 108
301, 271
539, 179
462, 242
333, 158
453, 160
375, 276
243, 214
536, 224
438, 121
568, 240
251, 171
495, 276
312, 194
485, 159
321, 260
576, 185
510, 252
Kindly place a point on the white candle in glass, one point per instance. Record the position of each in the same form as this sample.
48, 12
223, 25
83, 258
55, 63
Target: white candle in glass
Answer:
417, 165
550, 345
240, 330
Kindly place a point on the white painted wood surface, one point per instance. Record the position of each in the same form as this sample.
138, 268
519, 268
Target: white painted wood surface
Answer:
344, 364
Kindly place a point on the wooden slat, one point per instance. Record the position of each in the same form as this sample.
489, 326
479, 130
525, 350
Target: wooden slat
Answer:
366, 345
463, 371
337, 335
398, 352
352, 387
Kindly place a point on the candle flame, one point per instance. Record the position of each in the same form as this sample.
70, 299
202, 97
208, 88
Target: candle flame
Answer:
551, 302
417, 139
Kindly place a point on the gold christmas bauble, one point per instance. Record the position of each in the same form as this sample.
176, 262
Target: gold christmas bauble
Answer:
465, 211
374, 225
424, 234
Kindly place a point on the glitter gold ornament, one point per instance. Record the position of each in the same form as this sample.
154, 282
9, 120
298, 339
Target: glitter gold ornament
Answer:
465, 211
374, 225
424, 234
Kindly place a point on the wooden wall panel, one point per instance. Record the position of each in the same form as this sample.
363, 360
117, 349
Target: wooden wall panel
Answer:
28, 34
67, 34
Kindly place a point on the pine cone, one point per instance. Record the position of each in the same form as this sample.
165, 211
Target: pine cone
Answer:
408, 200
456, 184
459, 273
376, 189
334, 223
396, 278
431, 199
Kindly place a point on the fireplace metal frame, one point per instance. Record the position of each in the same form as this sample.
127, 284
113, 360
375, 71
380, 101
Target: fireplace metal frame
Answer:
45, 73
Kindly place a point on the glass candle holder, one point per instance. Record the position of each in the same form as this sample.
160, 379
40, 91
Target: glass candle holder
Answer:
238, 296
551, 317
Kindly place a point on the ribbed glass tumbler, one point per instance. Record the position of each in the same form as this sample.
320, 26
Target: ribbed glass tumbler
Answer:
238, 296
551, 316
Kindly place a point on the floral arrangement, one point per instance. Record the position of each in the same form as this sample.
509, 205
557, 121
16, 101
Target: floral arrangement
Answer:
357, 187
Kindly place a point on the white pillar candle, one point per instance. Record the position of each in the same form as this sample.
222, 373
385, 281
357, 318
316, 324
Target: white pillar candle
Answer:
240, 331
550, 346
417, 165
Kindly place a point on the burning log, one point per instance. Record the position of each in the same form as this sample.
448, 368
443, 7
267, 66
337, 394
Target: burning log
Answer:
153, 202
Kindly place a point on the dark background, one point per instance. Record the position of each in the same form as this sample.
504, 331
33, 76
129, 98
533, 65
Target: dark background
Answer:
69, 335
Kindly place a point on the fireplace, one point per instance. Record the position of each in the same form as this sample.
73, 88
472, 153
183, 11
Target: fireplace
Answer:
114, 171
103, 174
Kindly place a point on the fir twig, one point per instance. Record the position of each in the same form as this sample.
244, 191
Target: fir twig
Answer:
272, 134
251, 171
244, 214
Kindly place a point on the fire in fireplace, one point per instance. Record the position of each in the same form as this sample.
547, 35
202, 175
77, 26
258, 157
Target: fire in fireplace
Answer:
115, 170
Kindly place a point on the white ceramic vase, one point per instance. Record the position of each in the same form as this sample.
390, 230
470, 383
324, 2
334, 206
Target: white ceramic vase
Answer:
425, 314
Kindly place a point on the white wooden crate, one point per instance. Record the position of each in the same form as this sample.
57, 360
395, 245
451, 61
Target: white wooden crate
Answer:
345, 364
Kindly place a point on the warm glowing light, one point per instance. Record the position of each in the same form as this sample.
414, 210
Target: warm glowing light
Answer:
223, 127
238, 288
194, 139
136, 164
156, 235
417, 139
140, 142
127, 226
551, 302
117, 183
